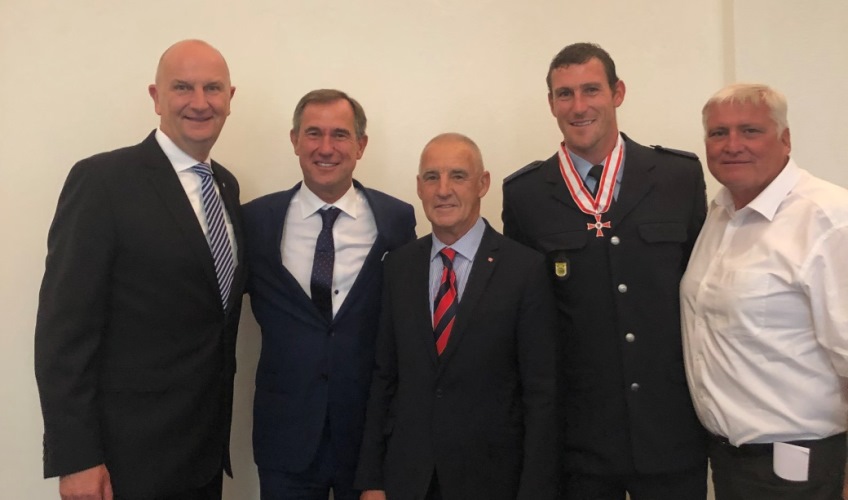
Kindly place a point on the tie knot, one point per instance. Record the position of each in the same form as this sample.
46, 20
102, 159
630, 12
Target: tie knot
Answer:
203, 170
596, 171
329, 215
447, 254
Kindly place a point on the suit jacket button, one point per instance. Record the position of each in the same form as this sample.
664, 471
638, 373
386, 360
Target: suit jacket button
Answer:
615, 240
634, 387
439, 393
325, 377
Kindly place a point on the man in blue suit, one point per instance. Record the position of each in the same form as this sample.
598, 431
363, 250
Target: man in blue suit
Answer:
315, 258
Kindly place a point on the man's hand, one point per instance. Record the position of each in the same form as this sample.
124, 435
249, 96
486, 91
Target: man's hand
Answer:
89, 484
373, 495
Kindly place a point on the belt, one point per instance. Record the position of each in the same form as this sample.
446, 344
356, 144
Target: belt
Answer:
760, 449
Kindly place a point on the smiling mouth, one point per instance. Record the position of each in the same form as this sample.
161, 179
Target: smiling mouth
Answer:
198, 119
581, 123
325, 164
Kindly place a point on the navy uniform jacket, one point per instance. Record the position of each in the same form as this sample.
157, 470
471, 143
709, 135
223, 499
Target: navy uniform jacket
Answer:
312, 370
624, 401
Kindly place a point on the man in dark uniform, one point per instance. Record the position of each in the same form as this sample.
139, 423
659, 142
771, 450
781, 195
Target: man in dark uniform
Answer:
617, 222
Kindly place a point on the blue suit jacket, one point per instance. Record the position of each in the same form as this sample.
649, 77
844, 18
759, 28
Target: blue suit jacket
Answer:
311, 370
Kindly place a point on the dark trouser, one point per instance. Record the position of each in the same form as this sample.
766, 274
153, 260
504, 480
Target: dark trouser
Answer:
209, 491
747, 472
686, 485
322, 475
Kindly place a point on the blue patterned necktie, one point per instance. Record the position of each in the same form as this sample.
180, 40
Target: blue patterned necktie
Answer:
219, 240
322, 264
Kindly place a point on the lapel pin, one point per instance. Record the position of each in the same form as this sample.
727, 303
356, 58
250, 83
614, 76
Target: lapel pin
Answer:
490, 259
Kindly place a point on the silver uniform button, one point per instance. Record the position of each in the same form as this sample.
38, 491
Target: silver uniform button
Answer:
615, 240
634, 387
622, 288
630, 337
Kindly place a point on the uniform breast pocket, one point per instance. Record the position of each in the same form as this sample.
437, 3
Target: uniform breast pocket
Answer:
559, 248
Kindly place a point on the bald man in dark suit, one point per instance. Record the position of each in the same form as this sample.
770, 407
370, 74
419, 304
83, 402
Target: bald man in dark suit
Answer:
139, 307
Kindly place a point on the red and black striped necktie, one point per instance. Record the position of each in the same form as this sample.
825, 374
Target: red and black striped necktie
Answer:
444, 307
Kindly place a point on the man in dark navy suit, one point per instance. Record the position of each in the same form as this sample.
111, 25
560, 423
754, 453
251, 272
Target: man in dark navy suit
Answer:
315, 254
617, 222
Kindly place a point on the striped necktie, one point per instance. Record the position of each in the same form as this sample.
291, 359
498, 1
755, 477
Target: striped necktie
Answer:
445, 305
219, 240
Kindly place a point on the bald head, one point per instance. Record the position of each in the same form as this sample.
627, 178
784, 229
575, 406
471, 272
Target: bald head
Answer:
189, 49
192, 96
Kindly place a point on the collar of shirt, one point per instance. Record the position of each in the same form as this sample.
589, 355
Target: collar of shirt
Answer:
310, 203
178, 158
466, 246
583, 166
767, 202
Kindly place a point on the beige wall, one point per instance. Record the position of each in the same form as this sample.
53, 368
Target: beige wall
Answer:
74, 77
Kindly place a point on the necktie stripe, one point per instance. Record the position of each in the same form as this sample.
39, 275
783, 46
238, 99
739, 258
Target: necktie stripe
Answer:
219, 240
445, 304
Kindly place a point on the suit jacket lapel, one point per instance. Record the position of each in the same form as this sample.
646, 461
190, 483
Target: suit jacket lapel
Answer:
374, 257
484, 265
276, 221
419, 286
166, 182
637, 181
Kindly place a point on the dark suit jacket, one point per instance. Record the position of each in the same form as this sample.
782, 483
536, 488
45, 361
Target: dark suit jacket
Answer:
625, 402
483, 413
134, 355
311, 370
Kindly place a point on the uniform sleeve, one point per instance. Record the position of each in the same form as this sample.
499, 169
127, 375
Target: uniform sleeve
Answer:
511, 228
699, 210
537, 340
72, 316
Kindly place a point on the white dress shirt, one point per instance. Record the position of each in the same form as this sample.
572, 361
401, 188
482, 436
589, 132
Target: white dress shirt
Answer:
190, 181
354, 234
765, 313
466, 248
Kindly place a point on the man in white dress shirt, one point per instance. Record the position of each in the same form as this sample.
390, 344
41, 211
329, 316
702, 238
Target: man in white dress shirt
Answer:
765, 309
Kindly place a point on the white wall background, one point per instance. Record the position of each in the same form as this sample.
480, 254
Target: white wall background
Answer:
73, 79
